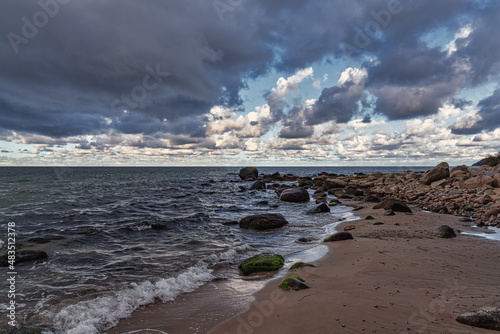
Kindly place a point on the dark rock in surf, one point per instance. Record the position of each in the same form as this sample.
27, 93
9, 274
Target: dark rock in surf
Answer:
258, 185
295, 195
248, 173
263, 221
262, 262
319, 209
24, 256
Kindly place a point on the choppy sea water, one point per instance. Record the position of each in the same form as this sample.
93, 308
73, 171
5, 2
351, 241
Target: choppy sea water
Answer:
121, 238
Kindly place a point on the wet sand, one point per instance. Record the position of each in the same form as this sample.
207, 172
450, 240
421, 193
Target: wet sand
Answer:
398, 277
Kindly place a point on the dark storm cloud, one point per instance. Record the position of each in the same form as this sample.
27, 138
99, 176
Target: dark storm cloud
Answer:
337, 103
163, 59
294, 124
89, 60
296, 131
412, 81
490, 111
482, 47
488, 117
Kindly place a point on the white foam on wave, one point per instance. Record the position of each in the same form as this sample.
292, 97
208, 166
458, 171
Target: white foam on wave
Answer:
228, 255
97, 315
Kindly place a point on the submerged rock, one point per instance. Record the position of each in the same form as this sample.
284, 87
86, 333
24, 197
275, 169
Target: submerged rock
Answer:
293, 283
261, 262
295, 195
485, 317
304, 239
24, 256
339, 237
258, 185
323, 207
263, 221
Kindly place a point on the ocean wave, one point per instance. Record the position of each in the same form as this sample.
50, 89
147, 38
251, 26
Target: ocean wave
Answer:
99, 314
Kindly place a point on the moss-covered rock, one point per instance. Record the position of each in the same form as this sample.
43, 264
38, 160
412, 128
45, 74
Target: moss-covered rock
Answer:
299, 265
262, 262
293, 283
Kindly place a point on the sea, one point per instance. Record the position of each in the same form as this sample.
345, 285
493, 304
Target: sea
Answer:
121, 238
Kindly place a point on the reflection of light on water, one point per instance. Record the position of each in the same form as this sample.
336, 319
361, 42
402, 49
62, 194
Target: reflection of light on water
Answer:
491, 234
309, 255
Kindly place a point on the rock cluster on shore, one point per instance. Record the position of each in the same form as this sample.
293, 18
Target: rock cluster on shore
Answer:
464, 191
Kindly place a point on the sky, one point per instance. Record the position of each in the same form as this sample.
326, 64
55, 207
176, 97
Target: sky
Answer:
248, 82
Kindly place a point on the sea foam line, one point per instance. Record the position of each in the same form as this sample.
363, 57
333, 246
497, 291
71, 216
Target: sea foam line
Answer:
97, 315
102, 313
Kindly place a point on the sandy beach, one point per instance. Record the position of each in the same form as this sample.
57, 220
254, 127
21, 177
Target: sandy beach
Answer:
395, 277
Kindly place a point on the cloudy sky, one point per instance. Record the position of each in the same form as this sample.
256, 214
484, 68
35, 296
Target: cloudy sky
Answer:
236, 82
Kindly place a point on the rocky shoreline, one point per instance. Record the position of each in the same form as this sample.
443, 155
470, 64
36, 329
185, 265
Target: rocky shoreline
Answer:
473, 193
407, 262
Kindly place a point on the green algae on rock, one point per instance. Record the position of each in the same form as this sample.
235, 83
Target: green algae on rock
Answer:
299, 265
262, 262
293, 283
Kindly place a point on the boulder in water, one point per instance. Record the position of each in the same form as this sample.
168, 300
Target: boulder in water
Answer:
295, 195
263, 221
319, 209
248, 173
262, 262
258, 185
24, 256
